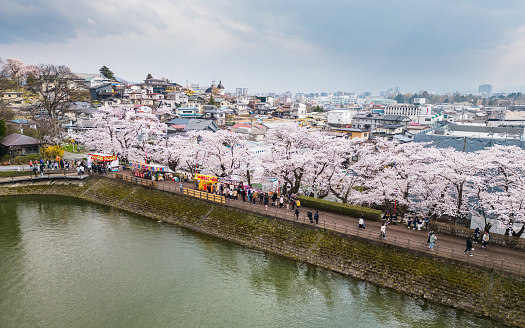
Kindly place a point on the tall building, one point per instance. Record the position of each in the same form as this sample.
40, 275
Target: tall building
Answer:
239, 92
485, 90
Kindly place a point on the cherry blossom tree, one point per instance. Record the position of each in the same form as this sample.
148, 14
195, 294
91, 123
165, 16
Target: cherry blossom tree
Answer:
499, 185
122, 131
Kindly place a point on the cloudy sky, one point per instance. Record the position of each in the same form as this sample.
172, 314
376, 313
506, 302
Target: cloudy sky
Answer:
276, 46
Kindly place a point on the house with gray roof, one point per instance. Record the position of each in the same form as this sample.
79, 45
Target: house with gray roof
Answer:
16, 144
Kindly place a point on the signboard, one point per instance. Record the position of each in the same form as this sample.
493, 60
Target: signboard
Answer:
103, 158
202, 177
420, 101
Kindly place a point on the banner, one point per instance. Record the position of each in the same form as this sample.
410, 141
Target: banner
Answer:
202, 177
103, 158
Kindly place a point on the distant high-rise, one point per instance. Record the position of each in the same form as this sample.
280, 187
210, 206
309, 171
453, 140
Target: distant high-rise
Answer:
485, 90
239, 92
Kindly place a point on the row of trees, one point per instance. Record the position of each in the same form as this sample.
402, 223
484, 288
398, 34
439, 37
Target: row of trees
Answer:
418, 178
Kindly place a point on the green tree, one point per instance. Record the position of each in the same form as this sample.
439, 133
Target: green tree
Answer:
3, 129
107, 73
212, 100
149, 76
318, 109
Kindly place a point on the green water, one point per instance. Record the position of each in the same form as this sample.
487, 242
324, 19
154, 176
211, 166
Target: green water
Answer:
68, 263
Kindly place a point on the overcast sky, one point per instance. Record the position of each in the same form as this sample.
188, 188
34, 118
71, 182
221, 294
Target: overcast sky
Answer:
276, 46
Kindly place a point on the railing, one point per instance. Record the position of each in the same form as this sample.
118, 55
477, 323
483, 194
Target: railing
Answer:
481, 261
205, 195
140, 181
19, 176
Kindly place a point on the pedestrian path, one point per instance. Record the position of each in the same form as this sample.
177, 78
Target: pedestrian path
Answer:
494, 256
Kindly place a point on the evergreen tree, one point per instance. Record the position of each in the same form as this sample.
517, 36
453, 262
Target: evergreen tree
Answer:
212, 100
149, 76
107, 73
3, 129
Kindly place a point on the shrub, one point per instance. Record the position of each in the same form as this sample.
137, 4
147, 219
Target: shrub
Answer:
340, 208
25, 159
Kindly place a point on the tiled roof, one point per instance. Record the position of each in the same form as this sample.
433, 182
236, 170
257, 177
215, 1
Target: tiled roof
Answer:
15, 139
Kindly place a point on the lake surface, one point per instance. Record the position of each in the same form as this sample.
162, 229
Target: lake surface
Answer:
68, 263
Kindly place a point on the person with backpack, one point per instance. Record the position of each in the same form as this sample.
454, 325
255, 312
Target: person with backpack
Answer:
309, 214
485, 239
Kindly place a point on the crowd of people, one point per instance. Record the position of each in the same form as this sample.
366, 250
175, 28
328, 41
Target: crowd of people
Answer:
39, 166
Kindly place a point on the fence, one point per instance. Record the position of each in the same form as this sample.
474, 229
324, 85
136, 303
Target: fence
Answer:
139, 181
21, 176
204, 195
485, 262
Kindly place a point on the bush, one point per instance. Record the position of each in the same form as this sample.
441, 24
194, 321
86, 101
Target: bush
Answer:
340, 208
25, 159
52, 152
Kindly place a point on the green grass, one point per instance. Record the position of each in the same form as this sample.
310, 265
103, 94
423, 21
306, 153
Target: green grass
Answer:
9, 174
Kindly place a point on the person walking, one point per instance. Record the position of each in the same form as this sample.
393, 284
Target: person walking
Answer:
361, 224
181, 186
266, 202
430, 233
310, 217
469, 246
274, 199
316, 217
261, 197
486, 238
297, 214
281, 201
476, 235
383, 231
433, 239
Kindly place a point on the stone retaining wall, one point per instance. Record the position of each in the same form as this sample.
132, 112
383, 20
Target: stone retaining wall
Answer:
418, 274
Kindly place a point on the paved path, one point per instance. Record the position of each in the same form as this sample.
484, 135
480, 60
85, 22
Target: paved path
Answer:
497, 257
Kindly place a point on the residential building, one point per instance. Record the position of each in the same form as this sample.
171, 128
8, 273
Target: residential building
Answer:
15, 144
340, 118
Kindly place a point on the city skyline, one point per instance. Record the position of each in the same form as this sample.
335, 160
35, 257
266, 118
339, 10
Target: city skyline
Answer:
355, 46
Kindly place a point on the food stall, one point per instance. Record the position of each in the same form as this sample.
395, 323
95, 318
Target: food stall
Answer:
145, 170
205, 181
103, 159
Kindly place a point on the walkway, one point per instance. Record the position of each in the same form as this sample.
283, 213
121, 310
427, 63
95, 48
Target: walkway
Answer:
494, 256
48, 175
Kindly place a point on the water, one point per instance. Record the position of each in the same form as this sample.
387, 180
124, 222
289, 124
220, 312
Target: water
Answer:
67, 263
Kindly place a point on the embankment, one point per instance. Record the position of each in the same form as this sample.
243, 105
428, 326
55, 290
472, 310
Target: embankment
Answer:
447, 282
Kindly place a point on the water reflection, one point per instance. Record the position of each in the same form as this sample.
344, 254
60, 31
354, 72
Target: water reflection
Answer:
66, 263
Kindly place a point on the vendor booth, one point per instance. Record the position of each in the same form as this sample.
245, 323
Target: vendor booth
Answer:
103, 159
206, 182
150, 171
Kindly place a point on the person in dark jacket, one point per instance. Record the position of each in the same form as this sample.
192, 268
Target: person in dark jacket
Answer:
297, 214
316, 217
469, 246
476, 235
309, 214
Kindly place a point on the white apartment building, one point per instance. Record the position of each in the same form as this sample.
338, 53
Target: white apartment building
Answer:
340, 118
